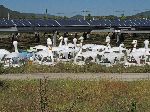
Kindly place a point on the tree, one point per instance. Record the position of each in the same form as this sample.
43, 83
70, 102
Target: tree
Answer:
89, 17
123, 17
111, 17
65, 17
45, 17
33, 16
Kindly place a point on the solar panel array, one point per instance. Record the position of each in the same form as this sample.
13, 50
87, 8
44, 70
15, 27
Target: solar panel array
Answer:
72, 23
62, 23
6, 23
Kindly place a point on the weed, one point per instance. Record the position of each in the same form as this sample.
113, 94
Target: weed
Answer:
72, 68
75, 95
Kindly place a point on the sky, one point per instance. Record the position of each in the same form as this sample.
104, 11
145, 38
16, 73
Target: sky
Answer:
74, 7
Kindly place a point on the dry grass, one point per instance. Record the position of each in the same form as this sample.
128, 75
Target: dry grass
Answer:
74, 96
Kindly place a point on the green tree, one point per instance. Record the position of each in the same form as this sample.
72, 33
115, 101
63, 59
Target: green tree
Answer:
123, 17
89, 17
65, 17
33, 16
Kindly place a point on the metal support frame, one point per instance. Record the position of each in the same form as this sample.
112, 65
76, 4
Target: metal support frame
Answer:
136, 31
11, 29
54, 38
75, 29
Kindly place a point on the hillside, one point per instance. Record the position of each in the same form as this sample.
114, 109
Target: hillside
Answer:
15, 14
77, 17
4, 12
143, 14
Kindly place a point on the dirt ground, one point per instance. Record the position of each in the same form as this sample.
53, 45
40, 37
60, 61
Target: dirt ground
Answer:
79, 76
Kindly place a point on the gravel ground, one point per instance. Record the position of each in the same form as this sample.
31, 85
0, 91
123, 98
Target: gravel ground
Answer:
79, 76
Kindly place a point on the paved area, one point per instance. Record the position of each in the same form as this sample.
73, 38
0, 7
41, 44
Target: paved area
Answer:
79, 76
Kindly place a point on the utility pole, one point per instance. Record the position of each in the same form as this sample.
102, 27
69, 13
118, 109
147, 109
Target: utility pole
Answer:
54, 38
84, 13
46, 16
8, 16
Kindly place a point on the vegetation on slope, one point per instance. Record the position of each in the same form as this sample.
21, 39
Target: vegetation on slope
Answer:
18, 15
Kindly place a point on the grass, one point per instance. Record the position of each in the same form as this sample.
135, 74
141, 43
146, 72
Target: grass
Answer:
74, 96
71, 68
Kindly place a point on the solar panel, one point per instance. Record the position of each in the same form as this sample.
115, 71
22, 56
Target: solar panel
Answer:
115, 23
94, 22
127, 23
26, 23
69, 22
52, 23
106, 22
137, 22
102, 23
143, 22
34, 23
2, 23
43, 23
84, 22
6, 23
62, 22
119, 23
17, 23
72, 22
148, 23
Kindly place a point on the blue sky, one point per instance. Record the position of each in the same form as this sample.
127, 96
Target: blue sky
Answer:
73, 7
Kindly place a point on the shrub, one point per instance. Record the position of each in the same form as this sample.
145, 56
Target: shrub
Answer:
3, 85
72, 68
